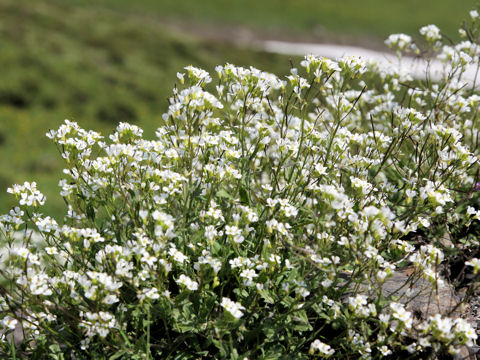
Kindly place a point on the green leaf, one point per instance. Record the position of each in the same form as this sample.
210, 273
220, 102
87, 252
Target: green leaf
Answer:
274, 352
197, 191
269, 330
267, 297
241, 293
90, 212
124, 336
132, 193
234, 354
56, 352
216, 248
222, 193
118, 354
287, 301
244, 197
219, 345
189, 327
301, 322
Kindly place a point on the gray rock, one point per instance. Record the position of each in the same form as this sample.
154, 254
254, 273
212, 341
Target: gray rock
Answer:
417, 294
424, 300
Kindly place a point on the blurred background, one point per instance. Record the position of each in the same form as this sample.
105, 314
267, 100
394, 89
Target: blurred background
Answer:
100, 62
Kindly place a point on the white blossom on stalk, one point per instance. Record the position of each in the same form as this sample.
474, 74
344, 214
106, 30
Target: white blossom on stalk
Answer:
325, 350
248, 275
28, 193
9, 323
234, 308
431, 32
187, 282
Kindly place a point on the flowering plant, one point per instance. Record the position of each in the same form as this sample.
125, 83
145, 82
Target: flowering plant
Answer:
250, 225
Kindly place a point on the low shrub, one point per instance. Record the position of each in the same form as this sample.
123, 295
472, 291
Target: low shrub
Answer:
252, 224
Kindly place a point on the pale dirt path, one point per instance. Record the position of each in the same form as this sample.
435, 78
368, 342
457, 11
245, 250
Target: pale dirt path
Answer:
417, 67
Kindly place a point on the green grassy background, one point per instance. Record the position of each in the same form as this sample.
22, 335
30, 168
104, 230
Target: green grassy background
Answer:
375, 19
104, 61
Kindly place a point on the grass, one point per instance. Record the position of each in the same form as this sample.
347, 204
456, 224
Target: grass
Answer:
375, 19
91, 66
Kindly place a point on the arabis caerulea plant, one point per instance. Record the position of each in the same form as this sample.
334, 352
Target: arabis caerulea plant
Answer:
249, 225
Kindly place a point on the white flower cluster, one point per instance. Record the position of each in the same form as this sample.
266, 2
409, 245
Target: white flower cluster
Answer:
28, 194
400, 43
431, 32
265, 190
234, 308
359, 305
100, 323
324, 349
187, 282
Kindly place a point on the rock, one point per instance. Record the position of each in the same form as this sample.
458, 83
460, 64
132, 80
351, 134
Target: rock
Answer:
424, 300
418, 295
17, 335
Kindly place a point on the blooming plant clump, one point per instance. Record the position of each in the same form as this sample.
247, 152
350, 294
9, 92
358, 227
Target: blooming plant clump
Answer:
248, 227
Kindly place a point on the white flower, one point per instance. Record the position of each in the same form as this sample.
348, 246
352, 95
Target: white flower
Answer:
238, 239
9, 323
197, 74
431, 32
28, 193
237, 262
248, 275
475, 263
327, 283
207, 258
232, 230
324, 349
371, 211
210, 232
151, 293
50, 250
180, 77
385, 350
39, 285
462, 327
399, 41
290, 211
399, 313
149, 259
178, 256
381, 275
234, 308
187, 282
302, 291
384, 318
110, 299
22, 252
